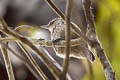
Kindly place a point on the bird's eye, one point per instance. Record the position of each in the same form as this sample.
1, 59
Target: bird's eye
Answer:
51, 22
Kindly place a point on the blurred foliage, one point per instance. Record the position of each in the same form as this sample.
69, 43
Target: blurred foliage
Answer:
108, 30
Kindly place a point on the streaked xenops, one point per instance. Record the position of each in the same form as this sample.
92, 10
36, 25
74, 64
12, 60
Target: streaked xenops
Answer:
57, 28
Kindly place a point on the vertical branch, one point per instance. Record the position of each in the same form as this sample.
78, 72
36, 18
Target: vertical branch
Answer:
67, 36
7, 62
33, 62
55, 9
110, 75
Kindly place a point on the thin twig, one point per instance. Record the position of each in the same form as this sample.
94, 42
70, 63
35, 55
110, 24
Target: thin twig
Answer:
6, 39
27, 42
67, 36
7, 62
33, 62
108, 71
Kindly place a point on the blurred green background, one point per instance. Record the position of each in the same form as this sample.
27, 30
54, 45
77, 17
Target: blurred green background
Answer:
108, 30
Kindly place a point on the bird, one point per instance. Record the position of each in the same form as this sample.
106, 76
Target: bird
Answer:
57, 29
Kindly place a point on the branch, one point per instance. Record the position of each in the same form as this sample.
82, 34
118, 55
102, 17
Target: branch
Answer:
46, 43
55, 9
110, 75
67, 37
7, 62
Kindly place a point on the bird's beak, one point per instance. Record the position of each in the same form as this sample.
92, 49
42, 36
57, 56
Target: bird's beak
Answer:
45, 27
48, 27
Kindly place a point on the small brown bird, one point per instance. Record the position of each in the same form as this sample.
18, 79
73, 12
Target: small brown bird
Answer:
57, 28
